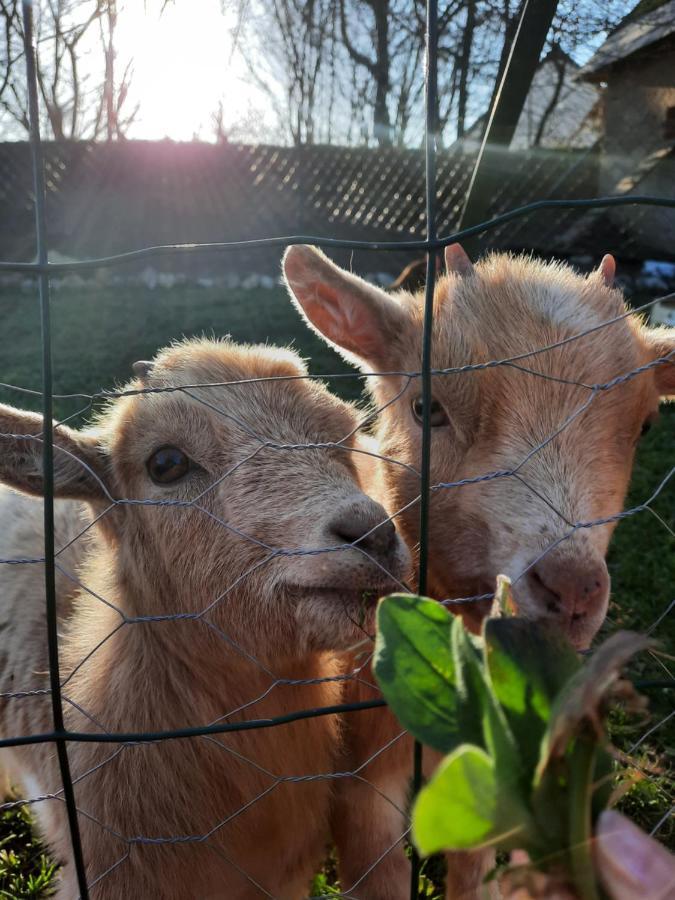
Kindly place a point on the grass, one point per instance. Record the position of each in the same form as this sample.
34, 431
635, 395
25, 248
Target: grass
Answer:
25, 868
99, 333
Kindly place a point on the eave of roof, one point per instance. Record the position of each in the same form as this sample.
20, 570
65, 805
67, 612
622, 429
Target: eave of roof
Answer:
632, 35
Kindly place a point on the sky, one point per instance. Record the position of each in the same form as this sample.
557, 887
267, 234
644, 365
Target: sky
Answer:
184, 65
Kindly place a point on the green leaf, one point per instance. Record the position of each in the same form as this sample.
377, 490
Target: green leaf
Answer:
581, 700
481, 719
550, 807
603, 782
465, 806
582, 766
414, 667
472, 691
560, 796
528, 664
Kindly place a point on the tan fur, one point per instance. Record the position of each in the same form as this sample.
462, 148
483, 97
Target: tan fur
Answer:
204, 817
504, 307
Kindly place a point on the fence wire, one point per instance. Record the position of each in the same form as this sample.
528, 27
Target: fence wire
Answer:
209, 736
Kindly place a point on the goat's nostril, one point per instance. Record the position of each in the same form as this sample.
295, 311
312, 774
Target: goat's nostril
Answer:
347, 533
551, 597
373, 535
568, 587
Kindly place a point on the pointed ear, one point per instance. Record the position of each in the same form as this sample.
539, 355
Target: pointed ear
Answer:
607, 269
360, 320
661, 343
79, 463
457, 261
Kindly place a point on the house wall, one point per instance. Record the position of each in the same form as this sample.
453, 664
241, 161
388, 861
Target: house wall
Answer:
639, 91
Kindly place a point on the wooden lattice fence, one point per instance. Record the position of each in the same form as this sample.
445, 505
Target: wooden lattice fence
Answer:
108, 198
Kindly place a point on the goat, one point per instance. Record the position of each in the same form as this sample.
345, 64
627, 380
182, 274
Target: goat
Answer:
193, 602
520, 453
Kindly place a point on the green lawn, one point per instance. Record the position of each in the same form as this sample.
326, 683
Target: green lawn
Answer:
98, 333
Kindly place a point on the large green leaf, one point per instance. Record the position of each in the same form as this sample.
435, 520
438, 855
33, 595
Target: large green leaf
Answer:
527, 664
481, 719
414, 667
465, 806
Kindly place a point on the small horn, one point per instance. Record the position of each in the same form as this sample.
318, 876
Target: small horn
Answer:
142, 369
457, 261
608, 269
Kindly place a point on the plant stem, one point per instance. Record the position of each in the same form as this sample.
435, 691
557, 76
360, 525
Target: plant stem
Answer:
582, 768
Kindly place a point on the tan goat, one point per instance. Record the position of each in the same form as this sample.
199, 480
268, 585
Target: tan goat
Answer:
195, 607
521, 453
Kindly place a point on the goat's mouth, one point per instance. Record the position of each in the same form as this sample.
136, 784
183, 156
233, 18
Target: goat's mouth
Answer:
357, 604
366, 595
344, 615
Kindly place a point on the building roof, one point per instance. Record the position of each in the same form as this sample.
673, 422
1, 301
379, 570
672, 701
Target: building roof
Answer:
647, 23
572, 123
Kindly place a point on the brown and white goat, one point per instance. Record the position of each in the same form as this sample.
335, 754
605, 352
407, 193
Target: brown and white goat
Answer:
197, 604
521, 454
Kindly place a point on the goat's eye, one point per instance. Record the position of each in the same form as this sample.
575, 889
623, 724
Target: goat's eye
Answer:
168, 464
437, 415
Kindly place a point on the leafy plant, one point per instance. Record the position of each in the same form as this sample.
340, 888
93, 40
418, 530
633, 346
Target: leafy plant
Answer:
520, 718
25, 870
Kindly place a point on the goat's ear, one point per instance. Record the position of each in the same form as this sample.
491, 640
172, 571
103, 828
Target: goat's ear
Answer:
661, 343
79, 463
359, 319
457, 260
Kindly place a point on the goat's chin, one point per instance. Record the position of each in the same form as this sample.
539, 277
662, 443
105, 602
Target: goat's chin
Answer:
335, 619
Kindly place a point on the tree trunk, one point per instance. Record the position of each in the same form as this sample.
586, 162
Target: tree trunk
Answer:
381, 122
464, 63
378, 68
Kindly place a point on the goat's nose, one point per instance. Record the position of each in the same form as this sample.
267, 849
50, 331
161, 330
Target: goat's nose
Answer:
571, 587
366, 525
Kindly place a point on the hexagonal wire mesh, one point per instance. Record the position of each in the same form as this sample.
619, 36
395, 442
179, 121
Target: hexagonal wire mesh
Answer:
267, 552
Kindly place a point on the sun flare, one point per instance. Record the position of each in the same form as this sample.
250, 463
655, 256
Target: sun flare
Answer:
183, 67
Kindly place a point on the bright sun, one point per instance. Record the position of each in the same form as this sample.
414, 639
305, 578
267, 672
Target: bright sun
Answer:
183, 66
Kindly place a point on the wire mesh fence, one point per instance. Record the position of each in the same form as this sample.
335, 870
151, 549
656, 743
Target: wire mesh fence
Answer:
193, 712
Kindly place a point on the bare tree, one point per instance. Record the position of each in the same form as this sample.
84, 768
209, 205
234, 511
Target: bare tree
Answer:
11, 56
286, 45
576, 24
367, 56
463, 64
112, 118
377, 64
80, 95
